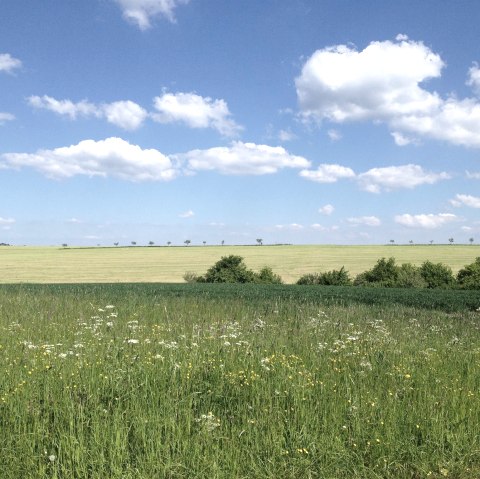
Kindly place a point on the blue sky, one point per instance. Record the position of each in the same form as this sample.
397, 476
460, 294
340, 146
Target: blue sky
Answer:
294, 121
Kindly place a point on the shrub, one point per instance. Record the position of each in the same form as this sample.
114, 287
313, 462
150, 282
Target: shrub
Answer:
232, 269
409, 276
267, 276
469, 276
384, 273
329, 278
437, 275
229, 269
191, 277
311, 278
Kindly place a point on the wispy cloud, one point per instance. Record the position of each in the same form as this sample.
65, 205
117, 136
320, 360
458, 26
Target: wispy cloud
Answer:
8, 63
4, 117
328, 173
427, 221
390, 178
365, 220
326, 210
290, 227
124, 114
466, 200
187, 214
141, 12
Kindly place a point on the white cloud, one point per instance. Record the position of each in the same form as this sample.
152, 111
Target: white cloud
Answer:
290, 227
6, 117
365, 220
112, 157
327, 173
326, 210
6, 221
466, 200
8, 63
473, 176
334, 135
140, 12
319, 227
64, 107
186, 214
427, 221
385, 83
124, 114
286, 135
389, 178
243, 159
196, 112
474, 78
339, 83
402, 140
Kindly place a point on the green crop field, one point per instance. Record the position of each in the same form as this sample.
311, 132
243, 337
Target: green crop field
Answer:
235, 381
168, 264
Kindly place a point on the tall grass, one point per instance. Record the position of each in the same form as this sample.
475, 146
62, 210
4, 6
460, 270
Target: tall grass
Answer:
109, 383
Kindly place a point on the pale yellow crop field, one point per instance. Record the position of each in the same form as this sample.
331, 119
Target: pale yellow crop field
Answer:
168, 264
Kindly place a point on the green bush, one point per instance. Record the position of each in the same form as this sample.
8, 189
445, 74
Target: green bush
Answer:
437, 275
385, 273
311, 278
232, 269
409, 276
469, 276
191, 277
329, 278
267, 276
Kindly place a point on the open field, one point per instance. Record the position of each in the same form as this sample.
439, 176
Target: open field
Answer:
168, 264
144, 381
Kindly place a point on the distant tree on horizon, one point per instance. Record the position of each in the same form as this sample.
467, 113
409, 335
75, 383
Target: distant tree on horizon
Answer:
115, 244
451, 240
169, 243
133, 243
471, 240
151, 243
260, 241
187, 242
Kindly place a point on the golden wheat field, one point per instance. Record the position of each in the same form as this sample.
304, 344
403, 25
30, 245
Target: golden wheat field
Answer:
168, 264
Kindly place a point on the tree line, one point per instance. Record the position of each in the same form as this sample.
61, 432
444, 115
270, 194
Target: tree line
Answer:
386, 273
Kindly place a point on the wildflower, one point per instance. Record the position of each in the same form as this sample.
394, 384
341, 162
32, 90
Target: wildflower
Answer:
208, 421
132, 341
52, 458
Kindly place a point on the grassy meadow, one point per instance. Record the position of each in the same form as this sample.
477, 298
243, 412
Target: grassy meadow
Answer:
112, 375
130, 381
168, 264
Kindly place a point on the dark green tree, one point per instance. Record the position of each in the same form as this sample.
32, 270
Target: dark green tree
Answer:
384, 273
469, 276
437, 275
